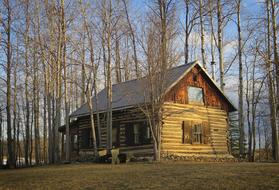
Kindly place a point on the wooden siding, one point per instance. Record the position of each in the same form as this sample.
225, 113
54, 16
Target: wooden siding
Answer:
173, 116
120, 119
195, 78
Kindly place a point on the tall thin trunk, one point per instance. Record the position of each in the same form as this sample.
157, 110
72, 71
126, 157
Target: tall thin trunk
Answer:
90, 105
276, 63
27, 107
83, 72
212, 49
1, 141
50, 84
67, 108
202, 33
133, 38
15, 103
45, 118
220, 43
36, 87
259, 137
186, 43
89, 99
240, 87
58, 93
109, 84
248, 115
11, 157
117, 60
253, 140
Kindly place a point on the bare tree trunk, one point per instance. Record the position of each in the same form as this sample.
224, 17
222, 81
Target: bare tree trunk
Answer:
50, 84
133, 38
240, 87
90, 105
36, 87
212, 41
15, 119
248, 115
117, 60
45, 118
259, 137
58, 93
27, 107
67, 111
276, 62
1, 141
83, 72
11, 156
94, 88
271, 98
108, 73
252, 141
220, 43
186, 43
202, 33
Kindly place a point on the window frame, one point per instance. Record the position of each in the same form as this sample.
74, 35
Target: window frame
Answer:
197, 133
190, 101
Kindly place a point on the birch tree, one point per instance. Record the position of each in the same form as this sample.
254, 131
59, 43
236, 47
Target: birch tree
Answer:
220, 43
240, 87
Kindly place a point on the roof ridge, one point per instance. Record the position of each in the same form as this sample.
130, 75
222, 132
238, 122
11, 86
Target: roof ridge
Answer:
137, 79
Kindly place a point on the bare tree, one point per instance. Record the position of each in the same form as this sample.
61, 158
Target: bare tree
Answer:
191, 15
158, 62
133, 38
6, 24
27, 106
202, 33
220, 43
276, 63
240, 87
212, 38
1, 141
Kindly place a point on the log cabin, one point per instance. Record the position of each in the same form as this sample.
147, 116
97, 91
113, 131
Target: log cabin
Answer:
195, 117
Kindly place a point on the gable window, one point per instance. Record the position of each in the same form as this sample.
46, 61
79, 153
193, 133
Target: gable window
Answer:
195, 95
194, 132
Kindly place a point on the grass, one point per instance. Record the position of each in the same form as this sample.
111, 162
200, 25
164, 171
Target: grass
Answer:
170, 175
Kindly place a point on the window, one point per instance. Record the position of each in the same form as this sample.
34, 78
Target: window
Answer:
194, 132
197, 134
74, 142
86, 138
137, 134
115, 136
195, 95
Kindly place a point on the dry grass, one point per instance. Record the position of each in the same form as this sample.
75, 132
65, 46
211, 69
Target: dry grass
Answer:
182, 175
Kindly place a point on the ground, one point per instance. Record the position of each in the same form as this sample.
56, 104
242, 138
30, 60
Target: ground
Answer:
170, 175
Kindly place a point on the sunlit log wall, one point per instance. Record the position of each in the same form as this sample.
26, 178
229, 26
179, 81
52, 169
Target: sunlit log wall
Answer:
174, 116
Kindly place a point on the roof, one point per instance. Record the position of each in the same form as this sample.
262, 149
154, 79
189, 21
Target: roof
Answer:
133, 92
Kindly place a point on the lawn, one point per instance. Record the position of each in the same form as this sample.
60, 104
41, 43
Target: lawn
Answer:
170, 175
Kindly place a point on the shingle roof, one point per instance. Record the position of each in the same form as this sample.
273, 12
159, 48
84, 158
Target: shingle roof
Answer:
134, 92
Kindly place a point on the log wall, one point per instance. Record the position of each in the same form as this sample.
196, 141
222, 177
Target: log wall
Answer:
173, 116
120, 119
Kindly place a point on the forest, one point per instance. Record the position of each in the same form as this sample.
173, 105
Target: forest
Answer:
56, 54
